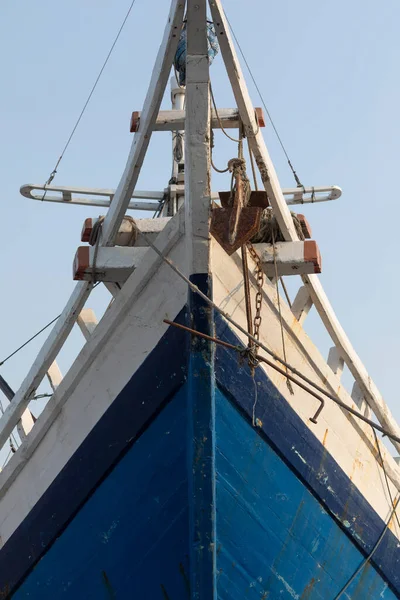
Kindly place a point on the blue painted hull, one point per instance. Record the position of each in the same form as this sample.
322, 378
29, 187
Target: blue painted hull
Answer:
180, 497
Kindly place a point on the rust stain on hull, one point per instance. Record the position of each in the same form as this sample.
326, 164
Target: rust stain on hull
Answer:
308, 589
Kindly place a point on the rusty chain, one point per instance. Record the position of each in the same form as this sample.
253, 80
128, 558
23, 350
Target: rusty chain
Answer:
259, 274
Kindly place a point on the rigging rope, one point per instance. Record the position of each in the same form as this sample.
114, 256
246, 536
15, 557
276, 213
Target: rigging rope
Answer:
219, 118
54, 171
270, 232
33, 337
297, 179
278, 297
30, 340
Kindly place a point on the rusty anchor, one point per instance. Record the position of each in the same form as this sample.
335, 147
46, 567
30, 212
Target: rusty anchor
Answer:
237, 221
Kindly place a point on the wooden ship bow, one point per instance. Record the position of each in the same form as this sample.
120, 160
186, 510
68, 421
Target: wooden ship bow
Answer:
200, 446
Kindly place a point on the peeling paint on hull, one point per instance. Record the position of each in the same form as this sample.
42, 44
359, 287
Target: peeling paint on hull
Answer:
289, 524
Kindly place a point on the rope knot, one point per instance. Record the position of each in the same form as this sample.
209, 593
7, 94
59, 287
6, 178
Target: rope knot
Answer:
237, 166
249, 355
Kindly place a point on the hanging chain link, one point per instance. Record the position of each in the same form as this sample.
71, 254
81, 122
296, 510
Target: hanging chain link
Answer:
259, 274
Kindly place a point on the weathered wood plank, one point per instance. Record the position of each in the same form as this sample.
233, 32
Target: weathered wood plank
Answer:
197, 161
201, 398
151, 108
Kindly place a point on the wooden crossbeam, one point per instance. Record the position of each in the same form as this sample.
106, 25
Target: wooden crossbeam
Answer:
149, 227
113, 265
151, 109
291, 258
174, 120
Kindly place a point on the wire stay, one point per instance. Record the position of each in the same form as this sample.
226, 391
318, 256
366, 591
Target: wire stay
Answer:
54, 171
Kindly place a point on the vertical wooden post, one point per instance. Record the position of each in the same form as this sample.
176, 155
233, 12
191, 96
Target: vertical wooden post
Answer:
201, 400
178, 103
335, 361
302, 304
197, 147
54, 375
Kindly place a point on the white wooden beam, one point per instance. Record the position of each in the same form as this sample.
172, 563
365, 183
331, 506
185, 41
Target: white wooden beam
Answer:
335, 361
291, 258
87, 321
174, 120
46, 356
54, 375
151, 108
113, 265
197, 147
281, 211
302, 304
145, 228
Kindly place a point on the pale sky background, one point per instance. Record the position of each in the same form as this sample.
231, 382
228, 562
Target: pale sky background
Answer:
329, 72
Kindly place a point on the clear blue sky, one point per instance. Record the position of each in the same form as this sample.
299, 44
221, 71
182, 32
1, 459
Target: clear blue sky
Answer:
329, 74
